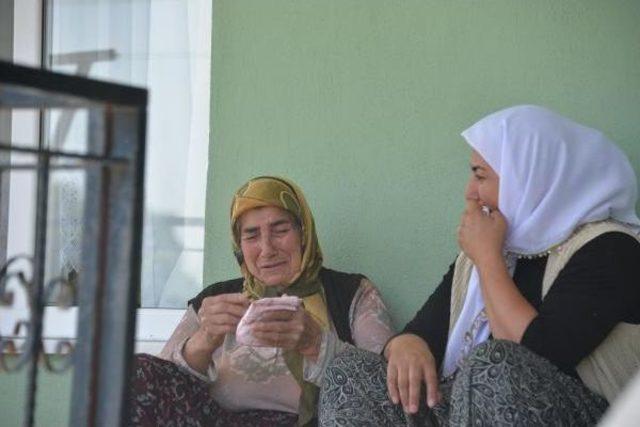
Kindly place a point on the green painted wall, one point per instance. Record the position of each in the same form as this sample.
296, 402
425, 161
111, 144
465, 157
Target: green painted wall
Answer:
362, 103
52, 398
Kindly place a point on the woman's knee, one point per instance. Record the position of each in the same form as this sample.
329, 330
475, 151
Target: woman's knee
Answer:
505, 365
354, 391
146, 364
354, 368
144, 360
152, 373
354, 359
496, 352
501, 361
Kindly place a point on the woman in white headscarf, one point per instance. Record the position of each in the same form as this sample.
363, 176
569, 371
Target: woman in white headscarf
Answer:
537, 321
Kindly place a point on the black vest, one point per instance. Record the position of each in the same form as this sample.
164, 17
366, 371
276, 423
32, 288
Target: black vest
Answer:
339, 289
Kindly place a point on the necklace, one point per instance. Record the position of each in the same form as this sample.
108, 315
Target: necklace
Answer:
542, 254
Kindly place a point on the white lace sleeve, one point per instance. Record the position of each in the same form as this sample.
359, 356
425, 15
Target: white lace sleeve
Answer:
371, 328
371, 324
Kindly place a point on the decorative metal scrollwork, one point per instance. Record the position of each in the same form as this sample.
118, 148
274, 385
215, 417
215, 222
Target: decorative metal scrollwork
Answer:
66, 292
60, 290
8, 345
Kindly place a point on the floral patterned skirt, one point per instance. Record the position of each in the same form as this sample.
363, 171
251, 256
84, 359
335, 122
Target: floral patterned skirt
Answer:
163, 395
500, 384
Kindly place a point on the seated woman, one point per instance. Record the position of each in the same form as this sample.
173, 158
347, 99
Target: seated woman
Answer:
208, 378
537, 321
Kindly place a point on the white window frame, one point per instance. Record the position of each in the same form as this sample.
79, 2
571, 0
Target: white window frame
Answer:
153, 326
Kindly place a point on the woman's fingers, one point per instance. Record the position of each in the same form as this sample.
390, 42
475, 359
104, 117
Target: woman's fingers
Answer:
392, 383
419, 374
275, 339
282, 328
415, 384
234, 309
236, 298
219, 324
221, 314
431, 380
220, 319
410, 365
226, 299
277, 316
472, 206
403, 386
234, 304
481, 231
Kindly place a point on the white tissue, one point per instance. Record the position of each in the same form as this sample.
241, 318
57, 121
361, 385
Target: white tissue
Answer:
255, 312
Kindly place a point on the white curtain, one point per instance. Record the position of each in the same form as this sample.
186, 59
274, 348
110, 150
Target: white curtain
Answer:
179, 76
163, 45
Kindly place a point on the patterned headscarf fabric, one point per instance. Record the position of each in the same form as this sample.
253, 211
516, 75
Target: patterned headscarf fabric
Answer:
279, 192
555, 175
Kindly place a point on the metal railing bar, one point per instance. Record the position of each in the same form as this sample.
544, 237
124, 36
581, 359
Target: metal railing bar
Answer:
56, 153
37, 291
29, 166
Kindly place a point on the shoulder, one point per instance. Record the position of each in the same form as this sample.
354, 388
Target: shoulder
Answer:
340, 288
219, 288
335, 275
606, 263
613, 245
348, 290
340, 281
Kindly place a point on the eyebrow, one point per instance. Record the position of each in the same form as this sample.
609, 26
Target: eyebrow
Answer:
280, 222
251, 230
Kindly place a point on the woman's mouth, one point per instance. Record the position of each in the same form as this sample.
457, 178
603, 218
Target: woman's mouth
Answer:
272, 265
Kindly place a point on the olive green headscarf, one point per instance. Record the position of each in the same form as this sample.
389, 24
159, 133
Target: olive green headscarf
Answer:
279, 192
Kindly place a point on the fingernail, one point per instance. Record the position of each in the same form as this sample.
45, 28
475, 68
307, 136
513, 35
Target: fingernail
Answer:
414, 408
431, 403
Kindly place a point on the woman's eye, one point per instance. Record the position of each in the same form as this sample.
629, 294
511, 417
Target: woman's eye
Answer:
282, 231
249, 237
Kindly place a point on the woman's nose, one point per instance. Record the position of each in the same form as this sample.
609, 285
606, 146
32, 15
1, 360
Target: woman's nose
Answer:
471, 191
267, 246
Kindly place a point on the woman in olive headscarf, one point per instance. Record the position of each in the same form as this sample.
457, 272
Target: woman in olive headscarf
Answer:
212, 379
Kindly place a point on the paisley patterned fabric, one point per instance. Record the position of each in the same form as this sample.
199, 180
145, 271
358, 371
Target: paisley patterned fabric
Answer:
505, 384
164, 395
354, 392
500, 384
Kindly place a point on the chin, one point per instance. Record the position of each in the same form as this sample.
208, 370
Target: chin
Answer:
274, 280
270, 283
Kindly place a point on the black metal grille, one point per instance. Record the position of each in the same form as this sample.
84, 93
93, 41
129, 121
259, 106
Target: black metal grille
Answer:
106, 283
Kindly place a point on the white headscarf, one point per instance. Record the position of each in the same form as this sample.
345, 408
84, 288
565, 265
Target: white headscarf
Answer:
555, 175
